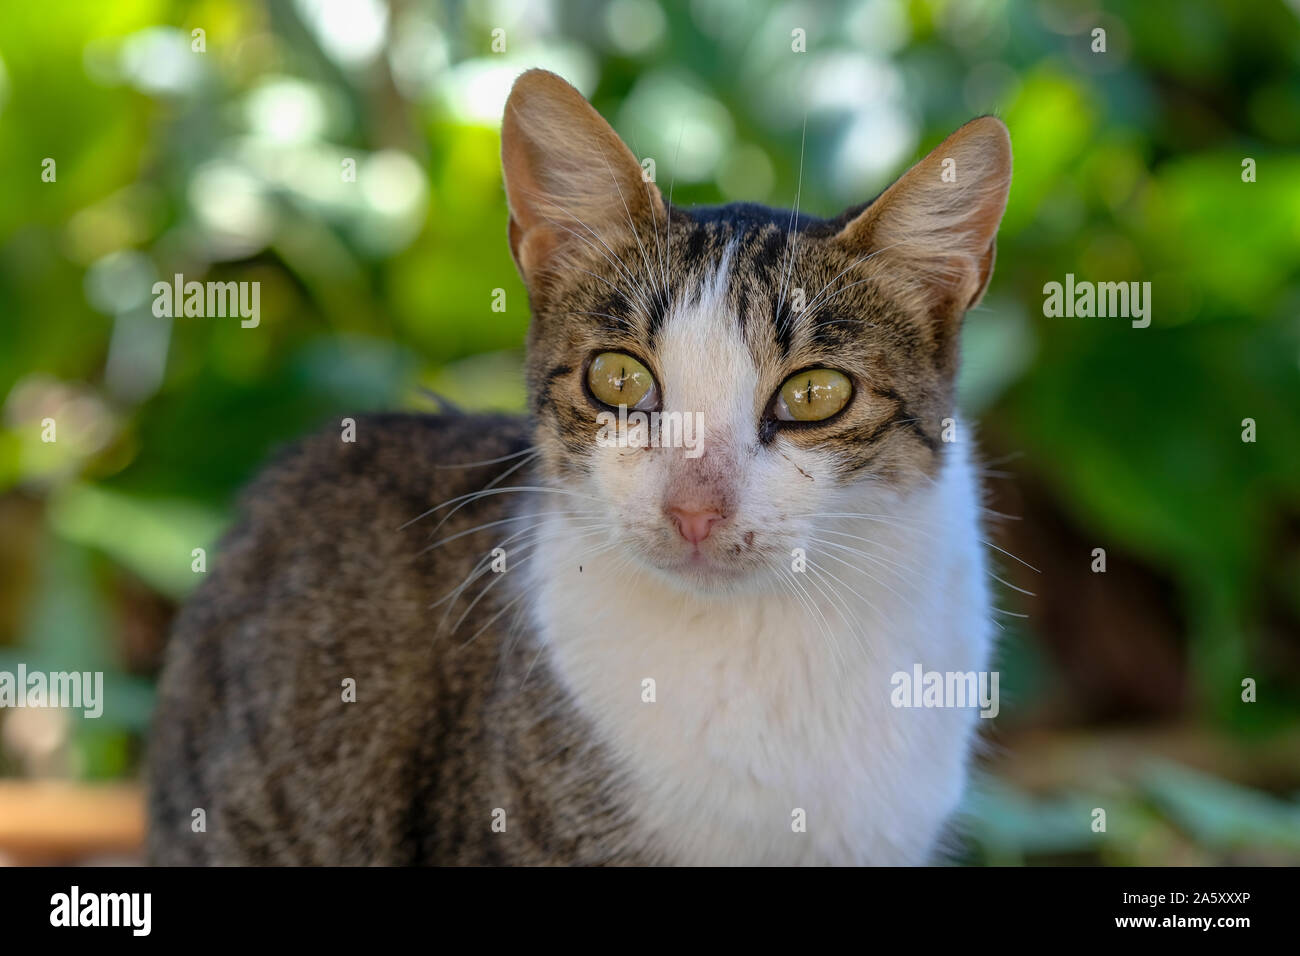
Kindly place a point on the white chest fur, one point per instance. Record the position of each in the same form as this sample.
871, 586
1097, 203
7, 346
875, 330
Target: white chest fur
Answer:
771, 710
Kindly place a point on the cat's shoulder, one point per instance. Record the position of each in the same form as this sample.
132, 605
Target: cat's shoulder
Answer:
358, 501
394, 456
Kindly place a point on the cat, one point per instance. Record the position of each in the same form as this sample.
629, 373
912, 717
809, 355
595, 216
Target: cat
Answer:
465, 639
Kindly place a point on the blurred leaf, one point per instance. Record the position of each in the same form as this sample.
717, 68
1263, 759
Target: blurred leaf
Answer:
1221, 815
154, 539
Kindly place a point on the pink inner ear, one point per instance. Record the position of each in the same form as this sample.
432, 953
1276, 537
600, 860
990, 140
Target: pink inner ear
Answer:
567, 174
940, 230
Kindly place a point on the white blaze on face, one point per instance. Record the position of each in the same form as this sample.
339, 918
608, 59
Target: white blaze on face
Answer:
707, 367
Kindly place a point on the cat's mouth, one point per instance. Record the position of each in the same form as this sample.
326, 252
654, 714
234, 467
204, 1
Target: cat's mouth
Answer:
730, 556
697, 560
709, 566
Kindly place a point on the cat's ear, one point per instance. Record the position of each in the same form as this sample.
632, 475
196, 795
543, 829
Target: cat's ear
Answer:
569, 178
937, 225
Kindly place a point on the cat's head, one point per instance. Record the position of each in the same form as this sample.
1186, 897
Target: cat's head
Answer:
819, 356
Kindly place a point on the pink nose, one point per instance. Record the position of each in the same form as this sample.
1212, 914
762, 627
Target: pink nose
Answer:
694, 526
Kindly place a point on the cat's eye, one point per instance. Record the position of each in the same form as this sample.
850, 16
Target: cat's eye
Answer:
812, 396
616, 378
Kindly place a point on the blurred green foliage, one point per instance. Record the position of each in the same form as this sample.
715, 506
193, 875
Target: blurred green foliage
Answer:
227, 163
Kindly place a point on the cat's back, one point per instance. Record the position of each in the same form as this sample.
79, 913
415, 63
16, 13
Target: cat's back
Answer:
305, 680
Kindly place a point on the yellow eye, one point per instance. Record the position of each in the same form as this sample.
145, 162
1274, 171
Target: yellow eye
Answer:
813, 395
619, 379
